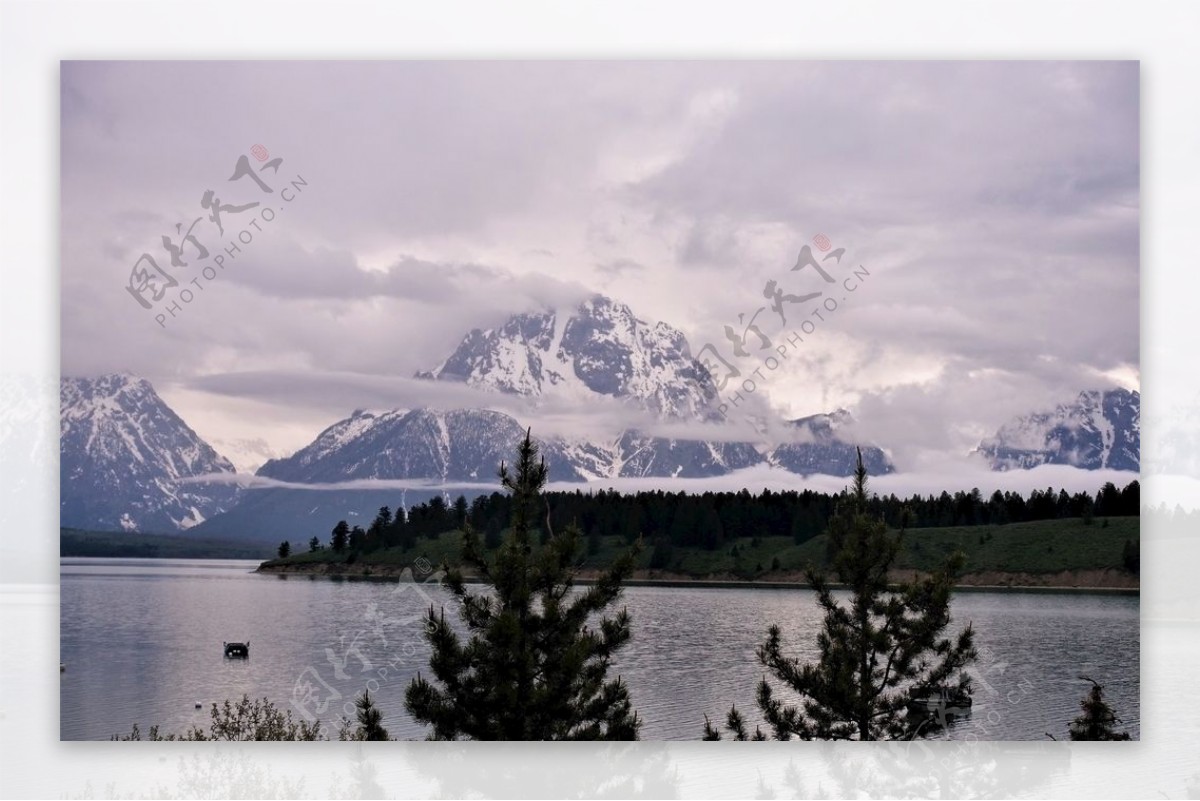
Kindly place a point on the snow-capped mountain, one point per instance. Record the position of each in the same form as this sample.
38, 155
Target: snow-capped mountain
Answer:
1097, 430
125, 457
602, 348
598, 348
818, 449
467, 445
463, 445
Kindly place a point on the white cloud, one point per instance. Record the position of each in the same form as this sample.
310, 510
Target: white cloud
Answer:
995, 205
762, 477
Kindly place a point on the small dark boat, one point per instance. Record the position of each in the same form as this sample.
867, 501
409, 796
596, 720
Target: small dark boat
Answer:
942, 702
237, 649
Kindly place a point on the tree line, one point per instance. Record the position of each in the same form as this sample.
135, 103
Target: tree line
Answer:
713, 519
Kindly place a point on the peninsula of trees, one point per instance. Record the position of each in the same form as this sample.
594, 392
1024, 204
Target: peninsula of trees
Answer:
1045, 538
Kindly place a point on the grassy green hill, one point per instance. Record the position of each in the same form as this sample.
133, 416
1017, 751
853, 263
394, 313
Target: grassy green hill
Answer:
1041, 547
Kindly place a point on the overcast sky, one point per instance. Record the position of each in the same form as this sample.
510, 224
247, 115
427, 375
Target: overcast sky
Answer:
995, 206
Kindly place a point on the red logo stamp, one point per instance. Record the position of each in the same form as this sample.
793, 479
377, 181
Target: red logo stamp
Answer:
822, 242
259, 152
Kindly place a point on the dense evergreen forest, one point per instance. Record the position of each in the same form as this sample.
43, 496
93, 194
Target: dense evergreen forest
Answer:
712, 519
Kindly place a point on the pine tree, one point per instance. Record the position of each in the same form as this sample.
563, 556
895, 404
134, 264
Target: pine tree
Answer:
877, 652
1108, 500
397, 531
340, 537
1096, 722
314, 545
285, 548
439, 519
532, 667
370, 721
460, 512
383, 518
377, 531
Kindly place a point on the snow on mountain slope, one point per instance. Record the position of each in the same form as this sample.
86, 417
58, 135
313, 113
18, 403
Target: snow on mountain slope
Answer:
819, 450
599, 348
469, 444
1096, 430
459, 445
125, 458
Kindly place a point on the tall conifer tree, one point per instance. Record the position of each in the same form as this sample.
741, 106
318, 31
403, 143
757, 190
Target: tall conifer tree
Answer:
877, 651
534, 661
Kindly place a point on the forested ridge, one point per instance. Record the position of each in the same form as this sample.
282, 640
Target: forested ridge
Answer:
712, 519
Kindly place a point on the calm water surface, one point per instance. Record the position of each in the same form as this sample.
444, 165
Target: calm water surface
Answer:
141, 640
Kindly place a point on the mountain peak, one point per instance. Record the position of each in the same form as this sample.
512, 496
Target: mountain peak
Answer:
821, 451
109, 384
1099, 429
597, 348
126, 458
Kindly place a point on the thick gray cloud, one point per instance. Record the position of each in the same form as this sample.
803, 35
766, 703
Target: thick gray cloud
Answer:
995, 206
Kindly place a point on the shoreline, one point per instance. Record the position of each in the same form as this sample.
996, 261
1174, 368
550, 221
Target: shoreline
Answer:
1097, 582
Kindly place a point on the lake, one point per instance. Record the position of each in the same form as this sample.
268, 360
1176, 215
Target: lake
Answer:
141, 640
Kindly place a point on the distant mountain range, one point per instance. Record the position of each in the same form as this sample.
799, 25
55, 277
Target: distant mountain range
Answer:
127, 458
467, 445
598, 349
1097, 430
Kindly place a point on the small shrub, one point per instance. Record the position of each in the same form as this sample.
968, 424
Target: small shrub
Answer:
245, 720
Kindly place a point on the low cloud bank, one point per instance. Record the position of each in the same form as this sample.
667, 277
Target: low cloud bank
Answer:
758, 478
